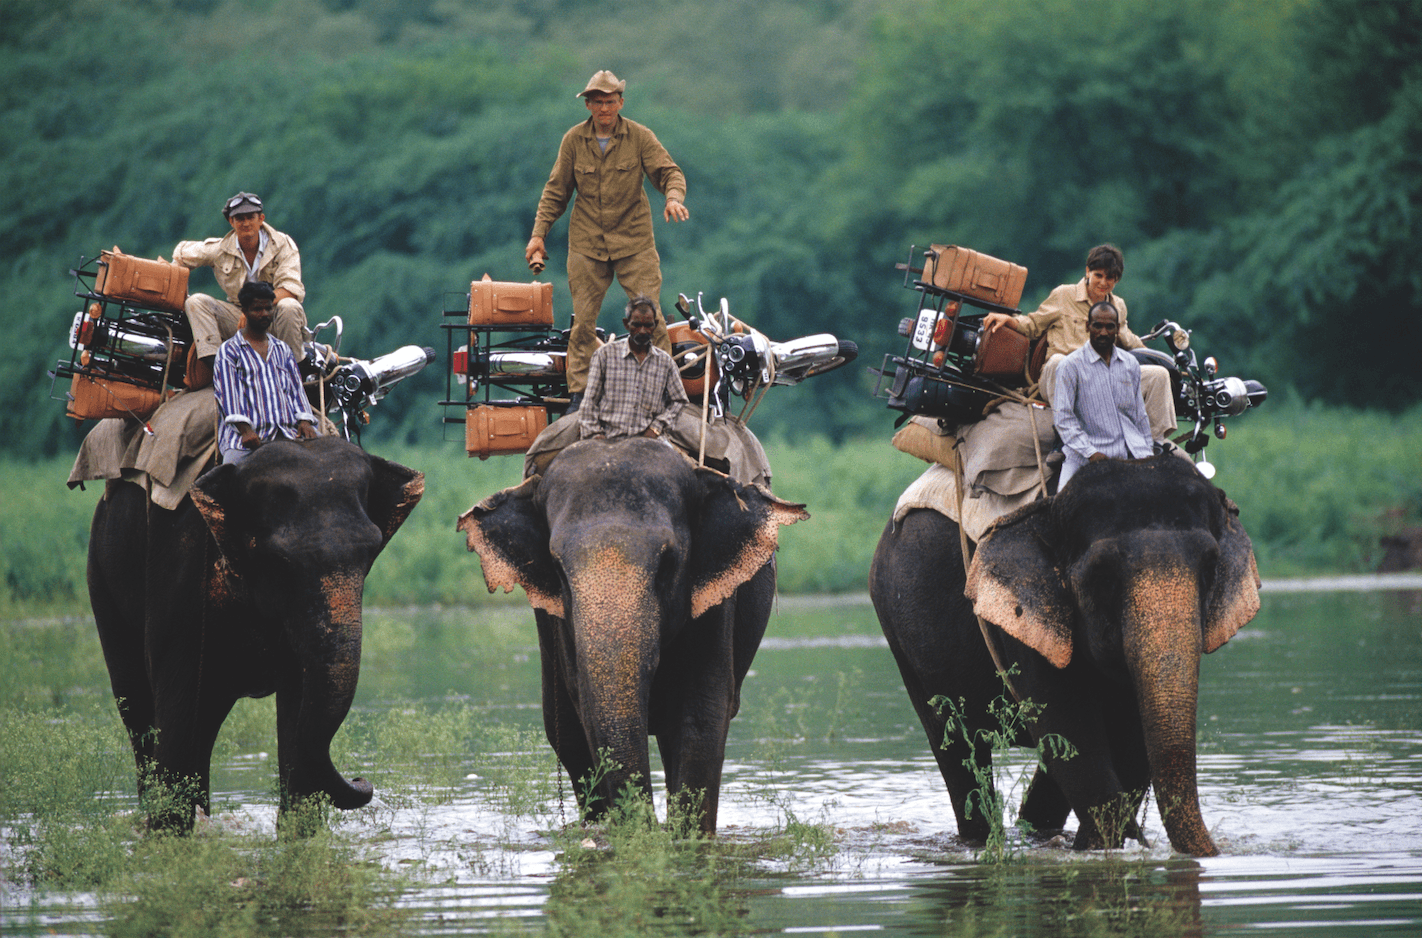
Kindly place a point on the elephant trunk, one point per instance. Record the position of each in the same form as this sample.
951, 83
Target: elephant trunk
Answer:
616, 629
328, 684
1163, 639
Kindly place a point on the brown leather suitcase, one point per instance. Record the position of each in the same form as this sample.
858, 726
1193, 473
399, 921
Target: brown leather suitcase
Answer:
495, 303
96, 398
1002, 356
150, 284
501, 429
974, 274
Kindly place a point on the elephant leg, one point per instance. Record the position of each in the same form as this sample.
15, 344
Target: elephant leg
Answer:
1044, 807
115, 576
1122, 715
1087, 779
695, 697
561, 724
187, 726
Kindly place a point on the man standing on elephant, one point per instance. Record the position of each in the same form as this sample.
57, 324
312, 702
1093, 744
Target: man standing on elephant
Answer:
256, 382
1098, 410
252, 251
634, 388
1062, 318
603, 160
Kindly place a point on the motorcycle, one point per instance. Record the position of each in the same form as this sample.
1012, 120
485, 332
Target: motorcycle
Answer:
118, 342
952, 368
737, 359
1201, 395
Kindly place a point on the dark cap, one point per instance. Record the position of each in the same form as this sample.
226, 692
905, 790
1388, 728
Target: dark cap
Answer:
241, 204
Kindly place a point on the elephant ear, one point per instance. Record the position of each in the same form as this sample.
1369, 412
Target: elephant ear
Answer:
508, 532
737, 530
1014, 583
216, 497
394, 493
1235, 597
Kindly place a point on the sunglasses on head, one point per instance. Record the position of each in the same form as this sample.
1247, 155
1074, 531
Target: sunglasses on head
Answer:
237, 200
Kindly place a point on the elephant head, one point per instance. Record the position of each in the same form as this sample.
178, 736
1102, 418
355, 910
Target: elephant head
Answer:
1133, 571
297, 527
632, 558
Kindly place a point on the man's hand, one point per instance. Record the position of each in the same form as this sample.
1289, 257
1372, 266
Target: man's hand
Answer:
651, 433
1098, 457
675, 211
250, 440
534, 249
992, 321
305, 430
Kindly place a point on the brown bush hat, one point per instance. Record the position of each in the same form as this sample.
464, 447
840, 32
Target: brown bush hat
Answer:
605, 82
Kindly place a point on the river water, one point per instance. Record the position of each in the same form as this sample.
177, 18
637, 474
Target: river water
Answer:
1310, 776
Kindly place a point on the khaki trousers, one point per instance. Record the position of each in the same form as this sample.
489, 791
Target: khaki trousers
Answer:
1155, 391
588, 281
214, 321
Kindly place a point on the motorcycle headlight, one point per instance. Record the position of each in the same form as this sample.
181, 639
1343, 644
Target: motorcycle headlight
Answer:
1180, 340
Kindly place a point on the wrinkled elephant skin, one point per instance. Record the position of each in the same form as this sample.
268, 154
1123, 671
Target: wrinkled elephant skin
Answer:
252, 586
1103, 598
651, 581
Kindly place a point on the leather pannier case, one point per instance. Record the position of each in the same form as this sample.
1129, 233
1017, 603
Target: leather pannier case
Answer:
96, 398
502, 429
974, 274
494, 303
150, 284
1002, 356
687, 343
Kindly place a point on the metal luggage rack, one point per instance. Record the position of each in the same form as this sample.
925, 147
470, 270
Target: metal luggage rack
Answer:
120, 339
932, 377
522, 360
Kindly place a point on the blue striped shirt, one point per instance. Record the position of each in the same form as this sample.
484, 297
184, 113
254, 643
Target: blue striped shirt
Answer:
1097, 408
265, 392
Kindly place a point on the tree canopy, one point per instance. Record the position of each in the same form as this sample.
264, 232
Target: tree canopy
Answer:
1258, 163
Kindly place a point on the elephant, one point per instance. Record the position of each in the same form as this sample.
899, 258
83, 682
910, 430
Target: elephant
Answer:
1099, 601
651, 581
251, 586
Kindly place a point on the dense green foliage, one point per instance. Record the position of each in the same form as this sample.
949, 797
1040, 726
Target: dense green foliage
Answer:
1257, 162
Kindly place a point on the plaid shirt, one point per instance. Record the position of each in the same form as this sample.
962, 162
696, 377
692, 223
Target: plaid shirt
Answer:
624, 397
265, 393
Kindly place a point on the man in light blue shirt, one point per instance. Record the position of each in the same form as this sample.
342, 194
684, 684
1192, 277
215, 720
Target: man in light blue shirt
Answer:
1097, 406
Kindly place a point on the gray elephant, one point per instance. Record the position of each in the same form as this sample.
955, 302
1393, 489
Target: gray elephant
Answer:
651, 581
252, 586
1103, 597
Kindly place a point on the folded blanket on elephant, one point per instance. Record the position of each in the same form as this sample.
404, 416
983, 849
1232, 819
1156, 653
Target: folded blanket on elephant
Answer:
937, 490
728, 441
166, 463
997, 452
999, 461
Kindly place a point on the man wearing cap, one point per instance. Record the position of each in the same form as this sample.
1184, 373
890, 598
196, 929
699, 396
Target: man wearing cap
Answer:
604, 159
252, 251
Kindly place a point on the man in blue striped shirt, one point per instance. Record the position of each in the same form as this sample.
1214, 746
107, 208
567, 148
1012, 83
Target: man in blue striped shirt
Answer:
257, 385
1097, 406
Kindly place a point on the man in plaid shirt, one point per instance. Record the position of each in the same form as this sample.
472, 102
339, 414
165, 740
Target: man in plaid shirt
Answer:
634, 388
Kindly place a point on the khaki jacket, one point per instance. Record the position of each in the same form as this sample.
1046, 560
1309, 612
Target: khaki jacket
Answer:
1062, 316
611, 216
281, 265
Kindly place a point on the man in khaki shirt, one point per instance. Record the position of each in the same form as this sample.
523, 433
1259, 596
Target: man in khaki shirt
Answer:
603, 160
251, 251
1063, 316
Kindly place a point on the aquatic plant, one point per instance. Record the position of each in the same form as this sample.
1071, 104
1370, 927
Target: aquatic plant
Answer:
1012, 719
